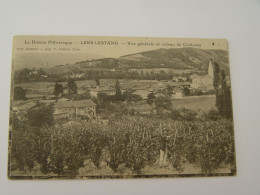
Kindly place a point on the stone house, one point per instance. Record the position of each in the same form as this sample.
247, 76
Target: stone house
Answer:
75, 109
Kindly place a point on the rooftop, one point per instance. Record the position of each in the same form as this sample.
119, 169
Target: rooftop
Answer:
76, 104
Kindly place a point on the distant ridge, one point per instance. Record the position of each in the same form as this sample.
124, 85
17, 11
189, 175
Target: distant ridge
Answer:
175, 58
47, 60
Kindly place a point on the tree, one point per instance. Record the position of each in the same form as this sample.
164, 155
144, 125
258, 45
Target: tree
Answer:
19, 93
216, 79
97, 82
150, 98
118, 95
58, 89
168, 90
40, 115
225, 106
162, 103
129, 97
22, 75
223, 93
72, 87
142, 75
103, 101
186, 91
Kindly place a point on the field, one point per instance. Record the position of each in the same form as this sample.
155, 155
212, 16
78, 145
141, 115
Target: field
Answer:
37, 90
196, 103
126, 146
167, 70
199, 104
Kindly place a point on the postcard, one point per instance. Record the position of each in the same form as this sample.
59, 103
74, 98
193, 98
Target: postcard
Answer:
86, 107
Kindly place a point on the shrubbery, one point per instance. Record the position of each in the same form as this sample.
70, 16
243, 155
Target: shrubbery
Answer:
130, 141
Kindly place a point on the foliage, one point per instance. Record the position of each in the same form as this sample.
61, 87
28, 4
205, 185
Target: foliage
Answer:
212, 115
223, 93
26, 74
40, 115
151, 98
58, 89
103, 101
97, 82
118, 95
72, 87
216, 79
162, 103
19, 93
130, 141
186, 91
22, 144
129, 97
183, 114
66, 153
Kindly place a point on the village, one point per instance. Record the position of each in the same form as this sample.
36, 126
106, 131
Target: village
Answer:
183, 91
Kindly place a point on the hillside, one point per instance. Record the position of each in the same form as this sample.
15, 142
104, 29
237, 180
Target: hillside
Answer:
49, 60
179, 58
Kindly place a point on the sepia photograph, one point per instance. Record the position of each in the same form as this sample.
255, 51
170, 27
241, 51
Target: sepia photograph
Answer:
85, 107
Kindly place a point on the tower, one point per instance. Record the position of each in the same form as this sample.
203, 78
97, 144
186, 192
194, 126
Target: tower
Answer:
211, 69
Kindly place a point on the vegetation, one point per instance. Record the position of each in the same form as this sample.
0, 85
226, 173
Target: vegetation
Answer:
19, 93
223, 93
58, 89
129, 141
72, 87
122, 137
40, 115
151, 98
162, 103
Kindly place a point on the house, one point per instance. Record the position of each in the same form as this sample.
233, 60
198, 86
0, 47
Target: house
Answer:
177, 93
34, 72
77, 75
75, 109
175, 79
204, 82
47, 102
74, 76
20, 108
179, 79
159, 94
63, 99
141, 92
106, 90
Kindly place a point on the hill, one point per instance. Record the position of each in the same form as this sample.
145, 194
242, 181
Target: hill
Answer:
49, 60
179, 58
176, 58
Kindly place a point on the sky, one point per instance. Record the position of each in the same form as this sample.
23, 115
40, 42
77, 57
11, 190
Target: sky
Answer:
107, 46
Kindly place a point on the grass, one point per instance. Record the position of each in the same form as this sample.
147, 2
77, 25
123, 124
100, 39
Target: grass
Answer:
196, 103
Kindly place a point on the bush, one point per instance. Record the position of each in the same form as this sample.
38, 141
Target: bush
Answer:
130, 141
212, 115
19, 93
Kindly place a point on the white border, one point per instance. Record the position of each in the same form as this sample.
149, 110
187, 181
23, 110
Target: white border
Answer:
237, 21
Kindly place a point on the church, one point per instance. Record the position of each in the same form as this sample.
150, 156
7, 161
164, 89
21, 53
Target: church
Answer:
204, 82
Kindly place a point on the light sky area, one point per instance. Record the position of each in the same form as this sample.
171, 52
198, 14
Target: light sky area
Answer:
108, 46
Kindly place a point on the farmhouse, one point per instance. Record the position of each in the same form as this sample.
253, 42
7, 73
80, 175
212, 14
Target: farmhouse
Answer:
20, 108
142, 93
75, 109
179, 79
108, 91
204, 82
177, 93
159, 94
